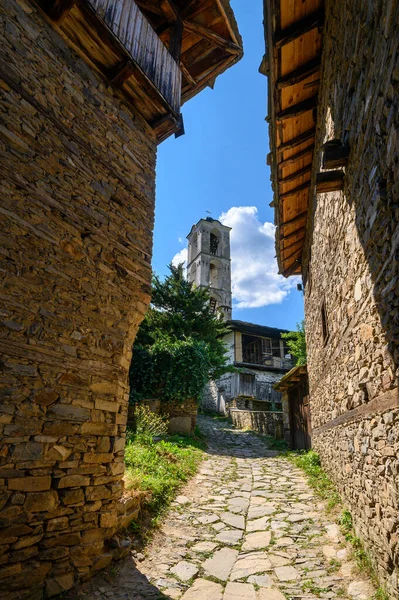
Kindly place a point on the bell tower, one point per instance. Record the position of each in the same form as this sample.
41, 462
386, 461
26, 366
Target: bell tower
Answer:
208, 263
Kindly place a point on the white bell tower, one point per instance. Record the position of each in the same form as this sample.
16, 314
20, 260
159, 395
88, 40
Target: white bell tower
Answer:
208, 263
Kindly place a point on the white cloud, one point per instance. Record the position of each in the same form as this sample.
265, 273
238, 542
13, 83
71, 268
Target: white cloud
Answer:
255, 278
180, 257
180, 240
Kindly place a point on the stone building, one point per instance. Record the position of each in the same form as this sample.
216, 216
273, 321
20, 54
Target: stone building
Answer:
333, 72
257, 350
88, 89
208, 262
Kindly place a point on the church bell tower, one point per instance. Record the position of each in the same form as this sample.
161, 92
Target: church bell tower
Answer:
208, 263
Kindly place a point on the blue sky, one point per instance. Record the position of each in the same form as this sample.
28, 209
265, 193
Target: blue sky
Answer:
219, 165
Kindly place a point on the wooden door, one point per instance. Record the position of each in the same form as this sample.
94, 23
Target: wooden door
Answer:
300, 417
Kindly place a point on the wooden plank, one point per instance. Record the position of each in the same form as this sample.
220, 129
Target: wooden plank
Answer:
283, 238
297, 140
335, 154
295, 190
295, 219
294, 253
305, 171
300, 240
176, 37
330, 181
299, 28
297, 109
296, 157
292, 268
187, 75
299, 74
387, 401
152, 6
170, 10
121, 73
211, 35
57, 10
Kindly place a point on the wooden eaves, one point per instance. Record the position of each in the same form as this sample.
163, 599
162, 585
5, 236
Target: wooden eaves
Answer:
293, 32
200, 38
291, 378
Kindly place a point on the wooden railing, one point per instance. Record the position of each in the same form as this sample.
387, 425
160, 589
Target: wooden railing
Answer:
129, 25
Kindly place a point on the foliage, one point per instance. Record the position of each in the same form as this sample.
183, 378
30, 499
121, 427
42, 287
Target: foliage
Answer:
162, 467
179, 346
318, 478
296, 342
169, 370
149, 424
361, 557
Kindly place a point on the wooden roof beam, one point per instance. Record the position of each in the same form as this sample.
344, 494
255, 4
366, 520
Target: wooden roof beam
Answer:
292, 268
187, 75
296, 30
297, 109
296, 190
298, 156
301, 215
283, 238
292, 244
298, 140
299, 74
293, 176
330, 181
214, 37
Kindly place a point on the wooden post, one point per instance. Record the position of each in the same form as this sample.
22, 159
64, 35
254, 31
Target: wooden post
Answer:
176, 38
330, 181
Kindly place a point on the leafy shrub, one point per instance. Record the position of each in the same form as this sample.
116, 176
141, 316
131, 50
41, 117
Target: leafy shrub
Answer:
172, 371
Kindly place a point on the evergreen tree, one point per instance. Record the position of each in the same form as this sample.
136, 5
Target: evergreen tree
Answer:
180, 311
179, 346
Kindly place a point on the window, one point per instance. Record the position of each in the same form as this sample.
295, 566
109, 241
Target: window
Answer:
256, 350
324, 323
214, 243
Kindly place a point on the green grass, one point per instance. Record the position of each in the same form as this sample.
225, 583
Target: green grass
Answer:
318, 478
160, 468
362, 559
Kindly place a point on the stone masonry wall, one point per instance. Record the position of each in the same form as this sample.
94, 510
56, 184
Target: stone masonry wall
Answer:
77, 197
353, 271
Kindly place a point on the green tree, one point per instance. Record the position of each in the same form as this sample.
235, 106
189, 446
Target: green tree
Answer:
179, 346
296, 343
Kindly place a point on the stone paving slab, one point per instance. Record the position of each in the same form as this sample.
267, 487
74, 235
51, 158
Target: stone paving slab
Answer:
247, 527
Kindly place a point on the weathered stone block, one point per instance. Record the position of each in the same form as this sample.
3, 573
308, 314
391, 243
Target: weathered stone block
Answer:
59, 585
41, 501
73, 481
68, 412
97, 492
30, 484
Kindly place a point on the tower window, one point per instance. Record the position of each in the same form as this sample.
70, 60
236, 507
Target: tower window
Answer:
214, 244
212, 304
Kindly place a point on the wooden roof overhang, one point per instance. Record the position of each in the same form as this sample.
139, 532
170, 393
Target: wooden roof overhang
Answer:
291, 379
156, 53
294, 45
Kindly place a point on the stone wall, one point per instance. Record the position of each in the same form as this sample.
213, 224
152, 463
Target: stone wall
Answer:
77, 197
269, 423
351, 268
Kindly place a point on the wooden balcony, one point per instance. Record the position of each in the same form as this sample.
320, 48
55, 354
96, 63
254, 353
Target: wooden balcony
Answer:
118, 41
144, 47
156, 53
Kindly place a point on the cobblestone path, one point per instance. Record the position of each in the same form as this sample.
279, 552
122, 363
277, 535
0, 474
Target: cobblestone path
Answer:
247, 527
